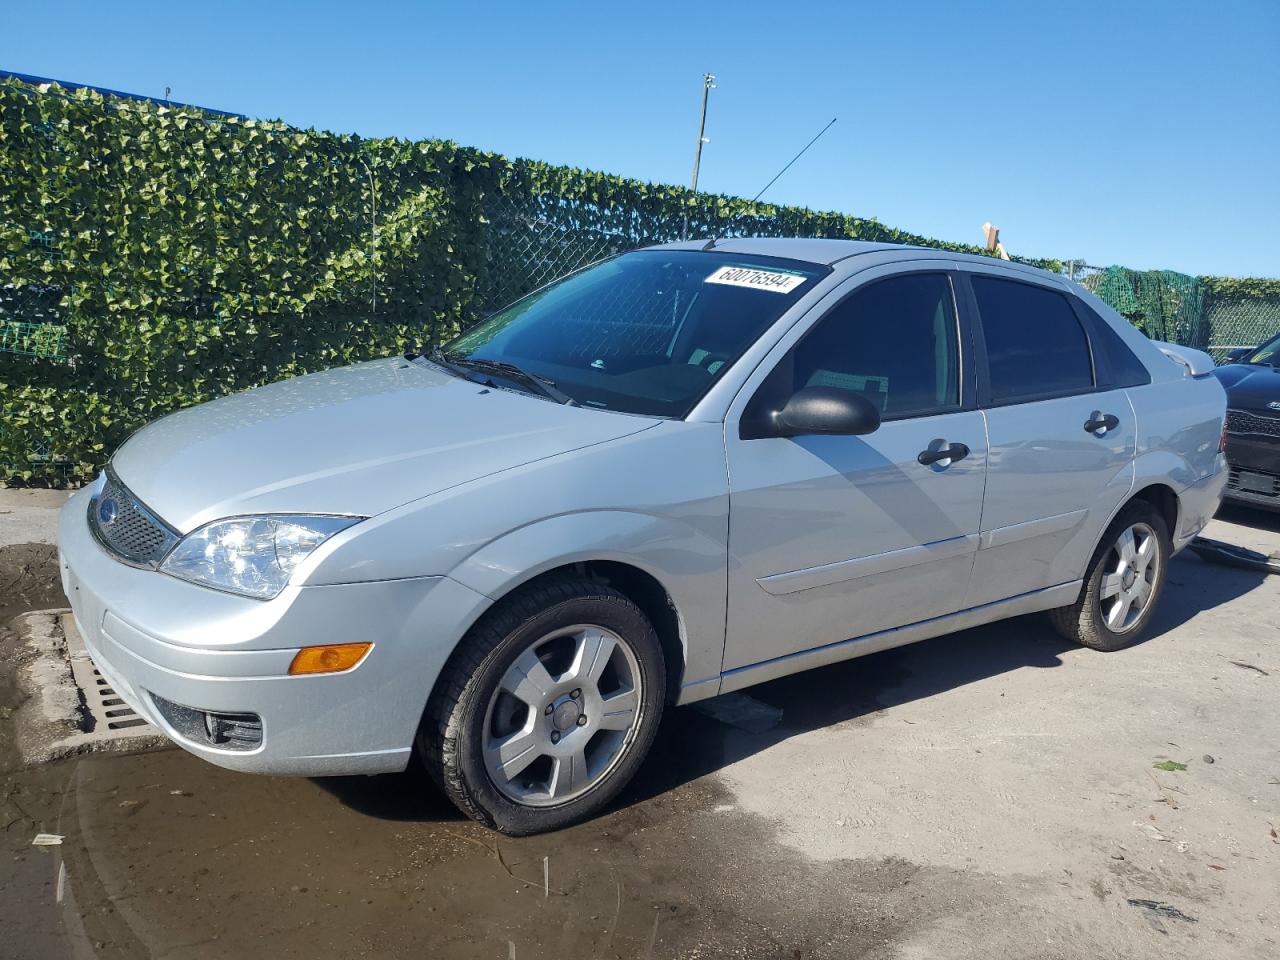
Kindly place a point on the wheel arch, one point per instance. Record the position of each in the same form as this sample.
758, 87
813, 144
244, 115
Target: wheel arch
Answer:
673, 568
640, 587
1164, 499
1159, 495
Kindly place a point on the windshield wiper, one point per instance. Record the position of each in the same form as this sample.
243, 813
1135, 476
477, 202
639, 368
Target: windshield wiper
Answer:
544, 385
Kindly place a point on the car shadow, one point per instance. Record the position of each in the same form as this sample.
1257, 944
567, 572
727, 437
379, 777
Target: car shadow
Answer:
693, 742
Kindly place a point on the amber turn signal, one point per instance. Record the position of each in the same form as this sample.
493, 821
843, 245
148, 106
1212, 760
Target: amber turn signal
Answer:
333, 658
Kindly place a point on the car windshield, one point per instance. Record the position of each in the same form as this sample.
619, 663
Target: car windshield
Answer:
646, 332
1269, 352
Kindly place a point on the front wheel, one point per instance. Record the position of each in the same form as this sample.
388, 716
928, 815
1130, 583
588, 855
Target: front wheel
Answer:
548, 707
1123, 582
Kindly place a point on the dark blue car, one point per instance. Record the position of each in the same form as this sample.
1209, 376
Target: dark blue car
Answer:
1252, 382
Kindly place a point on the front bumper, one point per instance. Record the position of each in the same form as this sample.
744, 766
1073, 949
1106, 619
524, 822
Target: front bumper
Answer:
1250, 453
156, 638
1253, 498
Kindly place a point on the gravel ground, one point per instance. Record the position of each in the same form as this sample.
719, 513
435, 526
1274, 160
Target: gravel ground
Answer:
990, 793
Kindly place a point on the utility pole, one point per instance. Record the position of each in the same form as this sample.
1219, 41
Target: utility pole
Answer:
708, 82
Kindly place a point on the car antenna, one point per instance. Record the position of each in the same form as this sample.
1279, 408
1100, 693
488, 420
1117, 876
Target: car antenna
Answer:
710, 244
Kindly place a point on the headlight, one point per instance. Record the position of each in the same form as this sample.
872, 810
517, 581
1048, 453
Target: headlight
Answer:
253, 556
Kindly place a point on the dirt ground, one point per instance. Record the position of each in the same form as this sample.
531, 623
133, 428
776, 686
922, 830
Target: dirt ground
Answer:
988, 794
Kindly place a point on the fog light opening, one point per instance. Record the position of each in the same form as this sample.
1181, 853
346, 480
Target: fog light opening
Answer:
330, 658
216, 728
243, 730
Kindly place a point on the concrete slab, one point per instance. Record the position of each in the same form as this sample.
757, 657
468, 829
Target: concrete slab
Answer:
30, 516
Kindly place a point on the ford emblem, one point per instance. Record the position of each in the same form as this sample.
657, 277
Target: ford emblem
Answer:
1274, 405
108, 510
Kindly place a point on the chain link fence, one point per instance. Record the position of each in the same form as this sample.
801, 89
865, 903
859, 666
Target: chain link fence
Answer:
531, 243
525, 249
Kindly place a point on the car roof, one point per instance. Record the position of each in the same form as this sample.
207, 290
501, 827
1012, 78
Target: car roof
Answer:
828, 252
808, 249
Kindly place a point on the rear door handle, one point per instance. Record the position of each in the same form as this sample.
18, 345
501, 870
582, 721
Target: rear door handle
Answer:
1100, 422
940, 450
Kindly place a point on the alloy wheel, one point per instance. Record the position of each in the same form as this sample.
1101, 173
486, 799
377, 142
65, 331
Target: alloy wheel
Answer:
1129, 577
563, 715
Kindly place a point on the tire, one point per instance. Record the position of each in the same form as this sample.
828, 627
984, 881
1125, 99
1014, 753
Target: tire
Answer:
1095, 619
494, 711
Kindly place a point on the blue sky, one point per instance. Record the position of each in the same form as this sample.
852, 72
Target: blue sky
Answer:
1140, 133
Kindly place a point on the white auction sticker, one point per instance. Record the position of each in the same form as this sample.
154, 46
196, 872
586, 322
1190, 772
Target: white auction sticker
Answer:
757, 279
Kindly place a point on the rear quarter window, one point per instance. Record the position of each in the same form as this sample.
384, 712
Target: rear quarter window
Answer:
1123, 367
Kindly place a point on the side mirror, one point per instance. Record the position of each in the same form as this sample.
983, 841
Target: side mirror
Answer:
829, 410
1238, 354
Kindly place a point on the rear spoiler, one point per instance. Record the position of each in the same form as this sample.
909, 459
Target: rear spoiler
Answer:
1196, 363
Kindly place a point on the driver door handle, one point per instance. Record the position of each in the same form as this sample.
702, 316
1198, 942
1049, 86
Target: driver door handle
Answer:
940, 450
1100, 422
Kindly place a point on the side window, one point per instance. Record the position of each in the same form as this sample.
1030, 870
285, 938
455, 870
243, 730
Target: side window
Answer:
894, 341
1035, 345
1126, 370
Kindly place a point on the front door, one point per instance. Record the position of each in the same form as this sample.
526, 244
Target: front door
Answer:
837, 537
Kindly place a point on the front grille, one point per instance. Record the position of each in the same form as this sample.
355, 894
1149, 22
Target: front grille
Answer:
126, 527
1241, 421
1233, 482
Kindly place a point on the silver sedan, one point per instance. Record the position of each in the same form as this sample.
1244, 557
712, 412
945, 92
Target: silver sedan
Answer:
674, 474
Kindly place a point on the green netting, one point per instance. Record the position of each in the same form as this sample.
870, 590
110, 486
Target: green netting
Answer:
33, 339
1183, 309
1161, 303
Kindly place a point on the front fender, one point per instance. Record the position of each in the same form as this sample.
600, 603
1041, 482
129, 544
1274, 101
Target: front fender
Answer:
686, 561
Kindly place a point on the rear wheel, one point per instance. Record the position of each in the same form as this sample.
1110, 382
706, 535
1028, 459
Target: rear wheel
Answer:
548, 708
1123, 582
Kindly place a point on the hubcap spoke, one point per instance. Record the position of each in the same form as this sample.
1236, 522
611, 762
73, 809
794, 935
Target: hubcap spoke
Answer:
1125, 546
1116, 615
528, 680
517, 751
619, 711
1146, 551
1112, 584
594, 652
570, 774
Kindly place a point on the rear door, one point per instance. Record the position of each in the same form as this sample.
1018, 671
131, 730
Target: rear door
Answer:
1061, 439
836, 537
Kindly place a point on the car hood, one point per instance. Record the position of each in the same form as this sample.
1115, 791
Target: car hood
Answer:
354, 440
1250, 387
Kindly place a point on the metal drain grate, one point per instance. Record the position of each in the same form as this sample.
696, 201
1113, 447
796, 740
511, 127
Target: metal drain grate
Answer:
106, 715
109, 709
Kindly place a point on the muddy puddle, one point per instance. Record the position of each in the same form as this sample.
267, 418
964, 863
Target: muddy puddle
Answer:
164, 855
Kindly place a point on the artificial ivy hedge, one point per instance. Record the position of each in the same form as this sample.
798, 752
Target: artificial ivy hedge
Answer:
197, 257
192, 255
